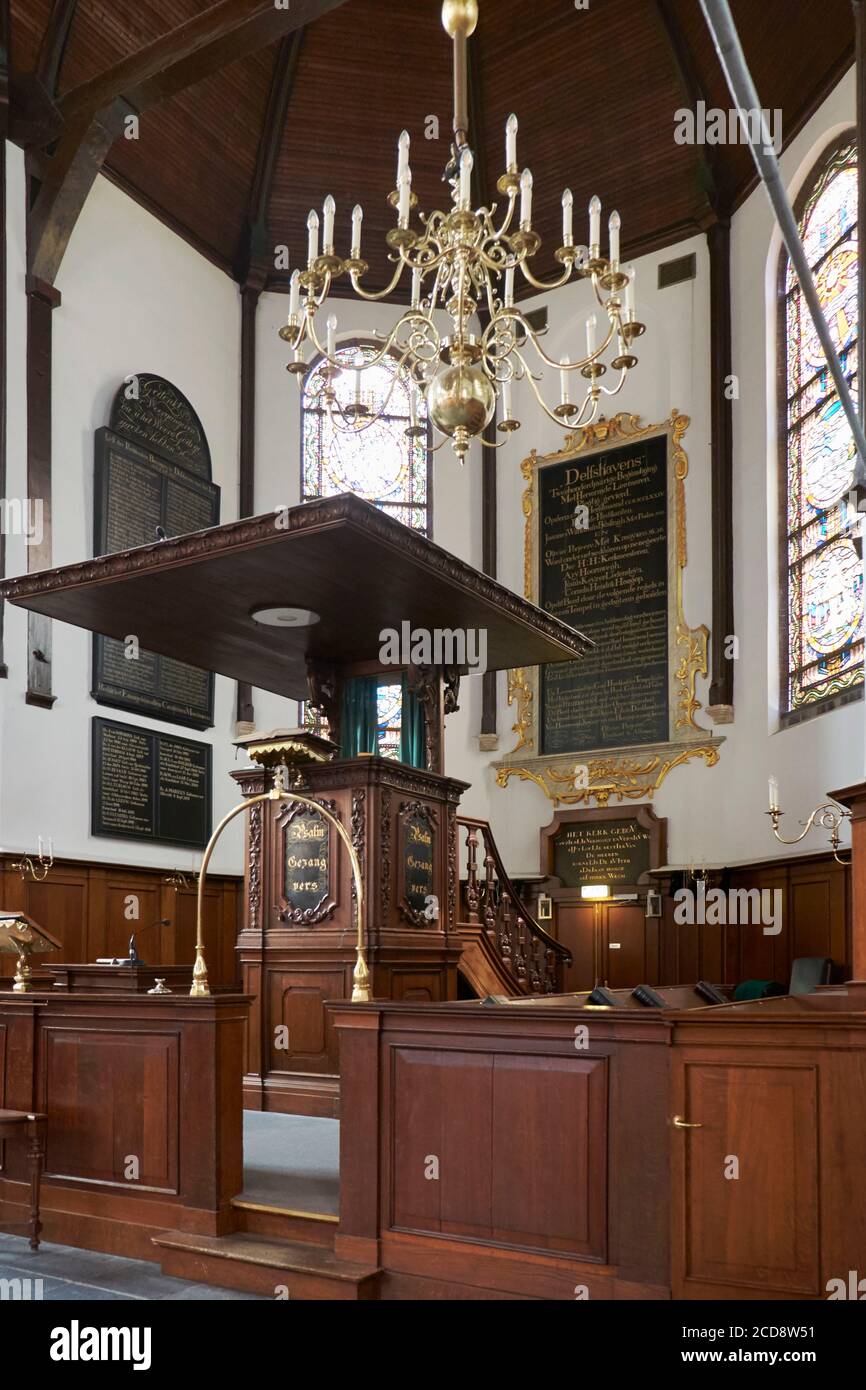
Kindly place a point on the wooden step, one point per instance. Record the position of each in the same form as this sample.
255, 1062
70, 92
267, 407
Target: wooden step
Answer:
310, 1228
265, 1265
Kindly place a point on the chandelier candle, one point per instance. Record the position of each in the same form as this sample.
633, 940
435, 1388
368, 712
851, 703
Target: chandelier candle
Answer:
312, 239
568, 218
462, 262
511, 144
613, 227
357, 219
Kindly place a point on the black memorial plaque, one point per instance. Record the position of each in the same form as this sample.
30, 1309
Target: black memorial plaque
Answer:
307, 875
149, 786
417, 866
605, 571
612, 852
153, 412
136, 492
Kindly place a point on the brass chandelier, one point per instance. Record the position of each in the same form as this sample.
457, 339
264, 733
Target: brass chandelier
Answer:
462, 263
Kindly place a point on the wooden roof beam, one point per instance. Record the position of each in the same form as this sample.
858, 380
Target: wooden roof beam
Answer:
53, 45
255, 258
221, 35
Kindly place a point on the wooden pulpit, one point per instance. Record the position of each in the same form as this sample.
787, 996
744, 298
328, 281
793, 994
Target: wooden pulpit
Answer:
298, 941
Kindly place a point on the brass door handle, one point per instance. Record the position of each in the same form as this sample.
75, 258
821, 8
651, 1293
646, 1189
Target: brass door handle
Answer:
679, 1123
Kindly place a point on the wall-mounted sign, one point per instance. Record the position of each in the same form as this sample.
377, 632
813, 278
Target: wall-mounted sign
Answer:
609, 579
611, 848
605, 550
417, 861
307, 869
140, 494
149, 786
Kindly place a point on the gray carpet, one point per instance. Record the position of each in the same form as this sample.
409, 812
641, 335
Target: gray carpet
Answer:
292, 1161
60, 1273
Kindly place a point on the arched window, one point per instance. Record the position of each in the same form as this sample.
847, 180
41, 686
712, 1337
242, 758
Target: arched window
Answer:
381, 463
822, 651
387, 464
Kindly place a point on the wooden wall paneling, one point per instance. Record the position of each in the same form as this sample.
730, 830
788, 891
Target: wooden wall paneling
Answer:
819, 913
83, 905
756, 1236
94, 1142
566, 1100
442, 1115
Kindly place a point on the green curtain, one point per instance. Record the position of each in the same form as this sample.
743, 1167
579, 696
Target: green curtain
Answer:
359, 722
412, 744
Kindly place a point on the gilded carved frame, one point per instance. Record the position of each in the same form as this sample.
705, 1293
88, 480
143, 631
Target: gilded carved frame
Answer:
635, 772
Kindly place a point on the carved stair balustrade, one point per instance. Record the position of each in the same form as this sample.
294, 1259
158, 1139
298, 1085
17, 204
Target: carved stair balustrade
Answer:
531, 959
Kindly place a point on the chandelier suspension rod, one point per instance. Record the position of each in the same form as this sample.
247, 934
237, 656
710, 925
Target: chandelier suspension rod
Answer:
459, 18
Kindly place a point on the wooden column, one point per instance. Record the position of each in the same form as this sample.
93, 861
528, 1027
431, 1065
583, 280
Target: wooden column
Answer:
4, 127
712, 216
42, 300
245, 712
489, 739
255, 263
721, 701
855, 799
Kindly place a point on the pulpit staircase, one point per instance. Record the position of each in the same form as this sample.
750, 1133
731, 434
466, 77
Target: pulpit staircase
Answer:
505, 950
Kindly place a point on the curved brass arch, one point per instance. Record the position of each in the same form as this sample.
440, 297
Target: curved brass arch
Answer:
360, 975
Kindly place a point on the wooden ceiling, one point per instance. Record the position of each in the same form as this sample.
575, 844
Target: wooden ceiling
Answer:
264, 136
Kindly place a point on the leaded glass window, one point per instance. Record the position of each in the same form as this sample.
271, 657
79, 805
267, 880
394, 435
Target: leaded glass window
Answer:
824, 601
380, 463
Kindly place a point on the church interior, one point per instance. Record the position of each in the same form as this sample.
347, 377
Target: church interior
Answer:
432, 744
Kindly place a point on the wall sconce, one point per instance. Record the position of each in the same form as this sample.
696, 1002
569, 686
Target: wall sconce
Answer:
36, 870
829, 815
176, 879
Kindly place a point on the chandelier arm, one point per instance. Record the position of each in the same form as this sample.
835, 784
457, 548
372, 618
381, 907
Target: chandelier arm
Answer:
567, 424
356, 428
317, 298
549, 284
566, 366
374, 361
615, 390
425, 266
509, 215
377, 294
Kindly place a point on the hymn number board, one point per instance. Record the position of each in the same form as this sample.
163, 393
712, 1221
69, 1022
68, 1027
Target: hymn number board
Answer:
152, 479
308, 882
417, 861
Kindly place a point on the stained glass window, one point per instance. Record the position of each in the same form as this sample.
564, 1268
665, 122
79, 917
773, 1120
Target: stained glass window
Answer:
824, 600
389, 705
380, 463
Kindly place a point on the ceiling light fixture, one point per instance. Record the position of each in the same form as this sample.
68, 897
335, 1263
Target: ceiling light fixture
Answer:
271, 616
461, 262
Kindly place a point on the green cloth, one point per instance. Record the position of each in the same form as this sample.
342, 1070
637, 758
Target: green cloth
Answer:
412, 742
757, 989
359, 728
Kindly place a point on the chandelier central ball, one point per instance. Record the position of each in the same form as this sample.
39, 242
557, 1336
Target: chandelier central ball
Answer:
459, 17
461, 400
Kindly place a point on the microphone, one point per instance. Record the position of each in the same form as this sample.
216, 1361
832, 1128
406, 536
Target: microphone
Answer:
134, 958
